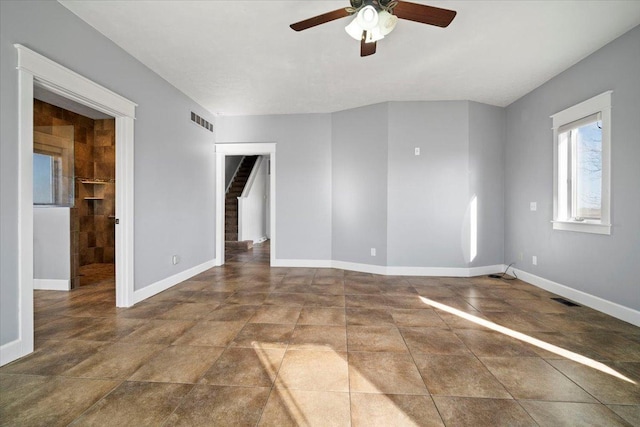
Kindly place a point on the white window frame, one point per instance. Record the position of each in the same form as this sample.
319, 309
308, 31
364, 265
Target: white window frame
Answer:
601, 105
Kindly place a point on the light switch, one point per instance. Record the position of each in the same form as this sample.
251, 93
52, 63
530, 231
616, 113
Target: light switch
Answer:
417, 151
533, 206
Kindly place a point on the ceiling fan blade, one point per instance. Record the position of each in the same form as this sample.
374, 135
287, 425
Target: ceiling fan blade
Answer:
320, 19
366, 49
424, 14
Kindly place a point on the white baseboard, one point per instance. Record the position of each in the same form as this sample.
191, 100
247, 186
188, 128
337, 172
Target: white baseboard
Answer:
611, 308
305, 263
51, 284
363, 268
10, 352
391, 270
164, 284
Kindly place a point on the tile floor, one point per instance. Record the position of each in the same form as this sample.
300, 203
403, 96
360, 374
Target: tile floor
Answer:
246, 344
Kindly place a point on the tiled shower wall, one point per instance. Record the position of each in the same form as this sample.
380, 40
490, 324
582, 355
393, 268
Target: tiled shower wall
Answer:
93, 228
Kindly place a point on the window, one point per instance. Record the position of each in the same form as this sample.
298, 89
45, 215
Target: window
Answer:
582, 147
53, 177
44, 179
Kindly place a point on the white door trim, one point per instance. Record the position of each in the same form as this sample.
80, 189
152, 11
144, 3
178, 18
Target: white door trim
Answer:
35, 68
244, 149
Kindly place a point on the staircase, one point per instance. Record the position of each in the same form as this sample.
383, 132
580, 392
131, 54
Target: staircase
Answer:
231, 205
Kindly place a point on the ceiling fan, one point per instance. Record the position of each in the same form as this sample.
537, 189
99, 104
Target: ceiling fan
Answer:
374, 19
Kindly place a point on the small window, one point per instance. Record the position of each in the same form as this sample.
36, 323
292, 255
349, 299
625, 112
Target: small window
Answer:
582, 170
53, 165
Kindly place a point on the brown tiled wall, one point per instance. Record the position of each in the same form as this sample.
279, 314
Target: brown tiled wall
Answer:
94, 152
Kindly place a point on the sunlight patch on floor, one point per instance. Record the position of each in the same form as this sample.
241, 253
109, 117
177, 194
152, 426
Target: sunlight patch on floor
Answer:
529, 340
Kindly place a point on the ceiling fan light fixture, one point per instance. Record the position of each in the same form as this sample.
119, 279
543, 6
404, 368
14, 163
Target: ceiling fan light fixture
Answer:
373, 35
368, 17
386, 22
354, 29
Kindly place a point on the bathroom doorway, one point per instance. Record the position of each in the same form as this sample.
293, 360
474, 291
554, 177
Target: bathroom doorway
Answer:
73, 194
35, 70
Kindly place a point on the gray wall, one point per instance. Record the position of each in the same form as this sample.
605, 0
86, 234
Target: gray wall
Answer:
605, 266
487, 127
303, 177
359, 196
174, 159
428, 194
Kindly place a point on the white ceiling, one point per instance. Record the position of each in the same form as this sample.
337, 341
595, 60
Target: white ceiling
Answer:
240, 57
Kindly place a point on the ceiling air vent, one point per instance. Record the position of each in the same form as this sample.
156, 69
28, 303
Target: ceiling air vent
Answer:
201, 122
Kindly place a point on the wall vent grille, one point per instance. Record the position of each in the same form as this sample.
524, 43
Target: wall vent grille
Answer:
201, 122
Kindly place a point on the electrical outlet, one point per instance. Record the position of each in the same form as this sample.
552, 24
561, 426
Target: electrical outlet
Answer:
533, 206
373, 251
175, 260
534, 260
417, 151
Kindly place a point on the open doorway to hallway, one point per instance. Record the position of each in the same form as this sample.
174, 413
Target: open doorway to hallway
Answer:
246, 202
253, 202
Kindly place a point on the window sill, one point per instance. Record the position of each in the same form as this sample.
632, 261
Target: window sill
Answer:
582, 227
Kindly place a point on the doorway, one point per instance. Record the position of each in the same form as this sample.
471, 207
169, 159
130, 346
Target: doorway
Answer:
249, 149
74, 194
35, 69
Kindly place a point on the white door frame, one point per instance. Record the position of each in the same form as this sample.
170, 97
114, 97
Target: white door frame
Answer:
244, 149
35, 68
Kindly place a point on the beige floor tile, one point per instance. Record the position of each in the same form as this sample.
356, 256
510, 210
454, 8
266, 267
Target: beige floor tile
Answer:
322, 316
287, 407
253, 298
109, 329
114, 360
413, 317
314, 370
188, 311
464, 376
27, 400
533, 378
433, 341
286, 299
353, 287
392, 373
54, 358
178, 364
135, 403
319, 337
366, 301
473, 412
276, 314
490, 344
571, 414
375, 338
630, 413
199, 331
249, 367
369, 317
210, 333
232, 313
325, 300
398, 410
521, 322
159, 332
148, 310
605, 387
264, 335
220, 406
65, 327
